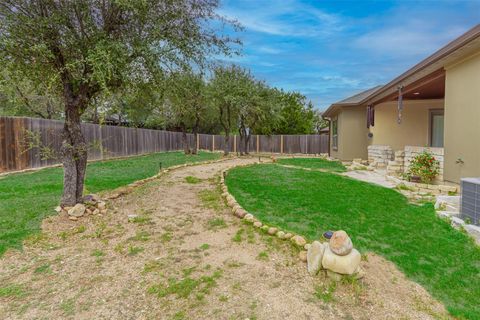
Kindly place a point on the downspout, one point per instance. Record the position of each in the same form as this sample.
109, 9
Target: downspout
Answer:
329, 134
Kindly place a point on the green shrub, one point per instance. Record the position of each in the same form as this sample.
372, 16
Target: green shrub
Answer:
425, 166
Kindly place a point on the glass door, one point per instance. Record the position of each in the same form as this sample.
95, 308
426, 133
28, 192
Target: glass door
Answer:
436, 125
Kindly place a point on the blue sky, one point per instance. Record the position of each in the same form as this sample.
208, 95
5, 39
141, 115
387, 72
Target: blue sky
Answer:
329, 50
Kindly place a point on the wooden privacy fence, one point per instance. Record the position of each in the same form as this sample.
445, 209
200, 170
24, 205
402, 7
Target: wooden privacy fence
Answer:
33, 143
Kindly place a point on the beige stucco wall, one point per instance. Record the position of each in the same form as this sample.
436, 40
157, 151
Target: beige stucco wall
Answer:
352, 134
462, 119
412, 131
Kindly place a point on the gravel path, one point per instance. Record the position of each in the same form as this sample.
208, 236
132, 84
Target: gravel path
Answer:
185, 256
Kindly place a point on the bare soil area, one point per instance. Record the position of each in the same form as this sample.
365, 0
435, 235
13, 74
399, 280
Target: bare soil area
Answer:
183, 255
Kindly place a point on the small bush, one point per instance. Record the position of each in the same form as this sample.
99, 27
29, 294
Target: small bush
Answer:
425, 166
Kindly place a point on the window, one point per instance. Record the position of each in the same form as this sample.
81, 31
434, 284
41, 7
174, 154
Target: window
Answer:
436, 128
335, 134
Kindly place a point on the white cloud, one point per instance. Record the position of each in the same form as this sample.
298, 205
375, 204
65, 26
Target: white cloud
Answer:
285, 18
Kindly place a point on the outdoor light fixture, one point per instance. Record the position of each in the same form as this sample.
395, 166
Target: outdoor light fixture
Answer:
400, 104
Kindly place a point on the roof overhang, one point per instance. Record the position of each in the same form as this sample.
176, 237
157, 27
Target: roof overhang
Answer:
430, 69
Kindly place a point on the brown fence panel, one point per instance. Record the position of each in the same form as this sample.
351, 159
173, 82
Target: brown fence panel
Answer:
12, 156
205, 141
110, 141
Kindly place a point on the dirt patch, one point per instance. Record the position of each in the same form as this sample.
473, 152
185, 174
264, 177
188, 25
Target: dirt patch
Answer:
187, 257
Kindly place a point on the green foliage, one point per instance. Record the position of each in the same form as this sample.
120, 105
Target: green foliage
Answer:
296, 116
90, 47
427, 249
425, 166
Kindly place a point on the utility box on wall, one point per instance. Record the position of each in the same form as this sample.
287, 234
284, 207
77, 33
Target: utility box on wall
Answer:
470, 202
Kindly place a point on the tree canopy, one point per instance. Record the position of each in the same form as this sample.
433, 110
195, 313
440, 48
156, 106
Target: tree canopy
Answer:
140, 63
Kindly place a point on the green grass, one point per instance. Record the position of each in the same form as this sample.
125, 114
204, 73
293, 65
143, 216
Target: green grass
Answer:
314, 163
27, 198
325, 293
185, 287
14, 290
426, 248
192, 180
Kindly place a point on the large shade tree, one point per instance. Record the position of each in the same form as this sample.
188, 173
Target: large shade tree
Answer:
83, 48
187, 97
229, 93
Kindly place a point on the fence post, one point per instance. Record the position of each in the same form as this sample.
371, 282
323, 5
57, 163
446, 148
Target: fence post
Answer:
306, 144
281, 144
258, 143
235, 143
213, 142
198, 142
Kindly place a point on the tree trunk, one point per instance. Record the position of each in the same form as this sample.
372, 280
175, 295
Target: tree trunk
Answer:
74, 156
186, 147
195, 134
247, 143
195, 138
241, 144
226, 149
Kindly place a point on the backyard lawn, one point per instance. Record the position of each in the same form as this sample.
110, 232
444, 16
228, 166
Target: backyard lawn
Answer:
27, 198
314, 163
443, 260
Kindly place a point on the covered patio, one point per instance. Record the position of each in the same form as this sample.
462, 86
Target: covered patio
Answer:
407, 121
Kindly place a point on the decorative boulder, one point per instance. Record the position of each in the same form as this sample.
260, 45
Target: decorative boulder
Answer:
314, 257
302, 255
272, 230
340, 243
257, 224
91, 199
240, 213
101, 205
77, 211
299, 241
281, 235
249, 217
347, 264
288, 235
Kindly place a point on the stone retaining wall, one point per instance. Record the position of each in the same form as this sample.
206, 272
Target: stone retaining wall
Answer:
398, 162
380, 155
397, 166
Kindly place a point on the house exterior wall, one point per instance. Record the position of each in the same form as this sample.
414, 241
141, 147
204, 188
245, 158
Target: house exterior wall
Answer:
352, 134
414, 130
462, 119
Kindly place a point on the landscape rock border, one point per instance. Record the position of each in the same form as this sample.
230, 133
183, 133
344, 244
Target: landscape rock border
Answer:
297, 240
99, 206
241, 213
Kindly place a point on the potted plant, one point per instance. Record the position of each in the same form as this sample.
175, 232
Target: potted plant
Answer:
423, 168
